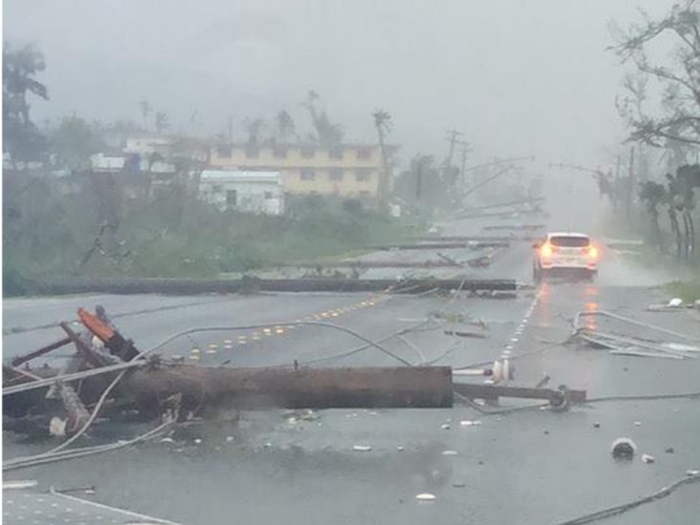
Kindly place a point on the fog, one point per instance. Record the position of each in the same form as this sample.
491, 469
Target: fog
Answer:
518, 78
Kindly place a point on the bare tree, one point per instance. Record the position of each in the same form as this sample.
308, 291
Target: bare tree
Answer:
677, 113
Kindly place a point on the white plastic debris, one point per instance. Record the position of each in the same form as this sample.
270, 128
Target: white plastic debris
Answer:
197, 441
167, 440
19, 484
623, 448
449, 452
400, 448
675, 302
692, 472
426, 496
637, 423
647, 458
445, 426
361, 448
470, 423
229, 439
57, 427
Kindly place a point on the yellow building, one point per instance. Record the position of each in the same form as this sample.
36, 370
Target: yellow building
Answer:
350, 170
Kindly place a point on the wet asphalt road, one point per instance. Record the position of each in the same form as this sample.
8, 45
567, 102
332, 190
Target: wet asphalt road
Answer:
531, 467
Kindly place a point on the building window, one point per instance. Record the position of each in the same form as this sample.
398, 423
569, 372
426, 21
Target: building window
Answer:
252, 151
279, 152
364, 153
362, 175
336, 153
224, 151
335, 174
268, 195
231, 197
308, 174
308, 152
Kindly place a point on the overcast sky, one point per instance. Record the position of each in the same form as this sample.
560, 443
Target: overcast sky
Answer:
518, 77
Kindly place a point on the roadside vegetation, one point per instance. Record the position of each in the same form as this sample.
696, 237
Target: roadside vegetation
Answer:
175, 237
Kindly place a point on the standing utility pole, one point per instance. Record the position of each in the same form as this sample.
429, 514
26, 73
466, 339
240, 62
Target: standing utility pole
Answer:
630, 187
466, 148
230, 129
452, 139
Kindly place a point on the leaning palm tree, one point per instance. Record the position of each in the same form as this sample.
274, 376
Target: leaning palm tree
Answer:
382, 122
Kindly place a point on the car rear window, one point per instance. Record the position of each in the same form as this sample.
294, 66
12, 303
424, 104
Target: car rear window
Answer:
569, 242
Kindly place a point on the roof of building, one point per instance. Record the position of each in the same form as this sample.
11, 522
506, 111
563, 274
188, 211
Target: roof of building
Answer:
240, 176
101, 162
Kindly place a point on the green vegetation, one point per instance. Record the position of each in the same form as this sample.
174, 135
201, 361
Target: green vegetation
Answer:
689, 291
177, 236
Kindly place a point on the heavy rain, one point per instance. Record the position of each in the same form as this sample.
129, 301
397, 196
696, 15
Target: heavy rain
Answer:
317, 261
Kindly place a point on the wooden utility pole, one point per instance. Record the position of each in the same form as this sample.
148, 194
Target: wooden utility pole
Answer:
630, 187
452, 139
462, 172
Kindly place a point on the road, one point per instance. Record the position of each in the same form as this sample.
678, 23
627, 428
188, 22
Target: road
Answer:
534, 466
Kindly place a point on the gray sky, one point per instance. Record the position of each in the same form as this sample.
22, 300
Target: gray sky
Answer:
518, 77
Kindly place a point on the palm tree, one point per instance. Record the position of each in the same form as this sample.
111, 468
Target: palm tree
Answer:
162, 122
653, 195
382, 122
146, 109
21, 138
285, 125
19, 67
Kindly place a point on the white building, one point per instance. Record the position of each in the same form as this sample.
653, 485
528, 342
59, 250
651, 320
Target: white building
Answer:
145, 145
246, 191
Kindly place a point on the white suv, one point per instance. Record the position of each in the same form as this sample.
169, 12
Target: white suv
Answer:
565, 253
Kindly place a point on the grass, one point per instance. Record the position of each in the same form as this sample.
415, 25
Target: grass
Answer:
689, 291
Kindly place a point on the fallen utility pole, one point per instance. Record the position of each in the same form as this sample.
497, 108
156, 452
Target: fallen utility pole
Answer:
380, 387
515, 227
446, 245
478, 238
377, 264
527, 200
493, 392
252, 285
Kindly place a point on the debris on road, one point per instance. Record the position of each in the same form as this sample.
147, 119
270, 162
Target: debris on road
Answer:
425, 497
647, 458
449, 452
559, 399
469, 423
629, 342
623, 448
362, 448
462, 333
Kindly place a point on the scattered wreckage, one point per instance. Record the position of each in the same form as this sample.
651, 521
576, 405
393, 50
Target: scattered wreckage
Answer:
110, 377
627, 338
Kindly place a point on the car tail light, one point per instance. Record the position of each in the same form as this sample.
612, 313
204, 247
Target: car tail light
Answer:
547, 250
592, 252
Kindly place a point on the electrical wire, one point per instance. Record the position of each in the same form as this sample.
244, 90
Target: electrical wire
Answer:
619, 509
25, 387
19, 463
267, 325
